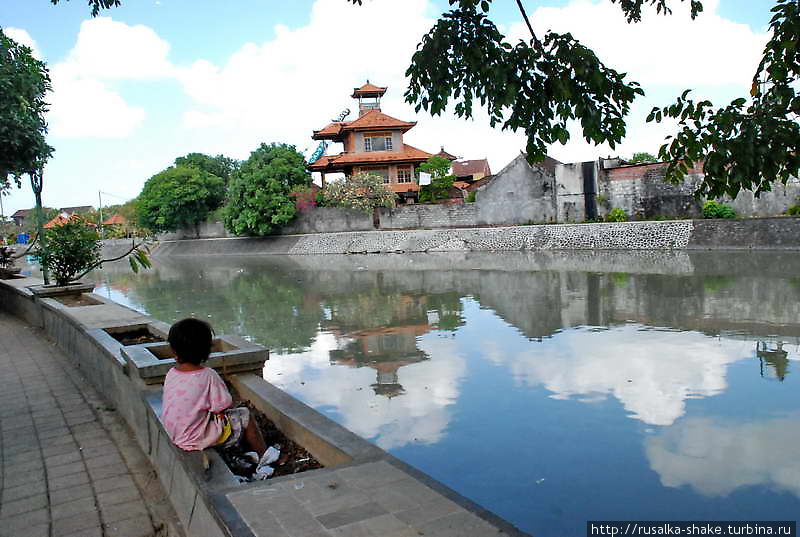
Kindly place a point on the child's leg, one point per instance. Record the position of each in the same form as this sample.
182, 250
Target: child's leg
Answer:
254, 439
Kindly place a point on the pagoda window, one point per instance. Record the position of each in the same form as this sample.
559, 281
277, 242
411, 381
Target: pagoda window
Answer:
378, 143
404, 174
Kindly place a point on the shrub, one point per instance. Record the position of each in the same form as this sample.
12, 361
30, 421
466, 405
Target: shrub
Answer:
617, 215
70, 249
794, 210
713, 209
362, 191
471, 197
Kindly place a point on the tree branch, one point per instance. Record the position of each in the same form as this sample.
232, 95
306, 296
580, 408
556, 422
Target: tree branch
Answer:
36, 238
134, 246
528, 22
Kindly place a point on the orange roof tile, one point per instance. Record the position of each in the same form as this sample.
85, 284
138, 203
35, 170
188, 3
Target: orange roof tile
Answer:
332, 130
471, 167
368, 90
408, 154
445, 154
377, 119
115, 220
460, 184
60, 220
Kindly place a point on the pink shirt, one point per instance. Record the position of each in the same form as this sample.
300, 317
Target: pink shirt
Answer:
190, 398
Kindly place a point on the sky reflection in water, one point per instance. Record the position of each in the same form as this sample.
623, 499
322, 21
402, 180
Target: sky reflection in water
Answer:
553, 388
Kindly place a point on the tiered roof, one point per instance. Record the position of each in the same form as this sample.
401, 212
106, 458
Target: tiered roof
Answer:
407, 155
368, 90
372, 120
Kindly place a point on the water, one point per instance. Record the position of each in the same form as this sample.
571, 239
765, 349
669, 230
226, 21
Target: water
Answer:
551, 388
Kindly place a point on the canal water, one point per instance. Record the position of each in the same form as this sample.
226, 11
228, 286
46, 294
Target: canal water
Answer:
551, 388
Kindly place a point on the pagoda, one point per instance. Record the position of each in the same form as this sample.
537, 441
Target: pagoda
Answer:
373, 143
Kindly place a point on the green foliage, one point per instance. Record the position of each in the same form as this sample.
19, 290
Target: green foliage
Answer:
642, 158
617, 215
71, 249
178, 197
96, 5
221, 166
713, 209
441, 181
24, 82
793, 210
471, 197
362, 191
750, 143
258, 193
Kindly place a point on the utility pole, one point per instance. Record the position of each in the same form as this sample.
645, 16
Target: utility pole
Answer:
100, 223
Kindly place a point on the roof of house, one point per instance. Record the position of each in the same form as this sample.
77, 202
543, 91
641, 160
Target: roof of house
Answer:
115, 219
368, 90
445, 154
21, 213
480, 182
549, 164
471, 167
408, 154
460, 184
79, 209
372, 120
60, 220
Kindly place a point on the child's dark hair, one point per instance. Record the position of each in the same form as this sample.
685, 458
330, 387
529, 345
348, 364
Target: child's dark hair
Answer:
190, 338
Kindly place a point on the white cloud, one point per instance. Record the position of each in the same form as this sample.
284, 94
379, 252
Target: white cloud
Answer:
651, 373
716, 456
84, 101
23, 38
421, 414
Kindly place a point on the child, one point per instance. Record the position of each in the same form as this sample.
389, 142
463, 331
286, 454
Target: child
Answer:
197, 409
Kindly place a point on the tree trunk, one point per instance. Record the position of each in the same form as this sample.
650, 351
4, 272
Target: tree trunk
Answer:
36, 185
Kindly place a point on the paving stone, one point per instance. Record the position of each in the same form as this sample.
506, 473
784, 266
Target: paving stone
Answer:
50, 433
110, 470
352, 530
71, 480
32, 464
70, 494
385, 525
73, 508
75, 524
120, 495
427, 512
66, 458
24, 491
31, 503
461, 524
123, 511
132, 527
54, 451
13, 524
351, 514
23, 479
38, 530
104, 460
65, 469
111, 483
88, 532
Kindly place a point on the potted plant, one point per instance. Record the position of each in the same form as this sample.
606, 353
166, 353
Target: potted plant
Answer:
71, 250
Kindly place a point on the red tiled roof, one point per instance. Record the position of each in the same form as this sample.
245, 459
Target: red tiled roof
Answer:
377, 119
368, 90
60, 220
330, 131
115, 220
408, 154
460, 184
445, 154
471, 167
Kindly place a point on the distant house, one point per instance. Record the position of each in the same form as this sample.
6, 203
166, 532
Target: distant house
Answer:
115, 220
445, 154
81, 209
60, 219
470, 171
20, 216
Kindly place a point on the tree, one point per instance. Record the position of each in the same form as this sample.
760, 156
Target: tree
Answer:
259, 192
441, 179
24, 83
221, 166
361, 191
642, 158
96, 5
540, 85
178, 197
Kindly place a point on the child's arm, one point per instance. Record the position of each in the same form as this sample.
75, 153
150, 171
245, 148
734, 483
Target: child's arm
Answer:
220, 396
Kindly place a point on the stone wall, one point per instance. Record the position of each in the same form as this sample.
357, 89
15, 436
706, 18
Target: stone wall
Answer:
328, 220
519, 194
429, 216
753, 233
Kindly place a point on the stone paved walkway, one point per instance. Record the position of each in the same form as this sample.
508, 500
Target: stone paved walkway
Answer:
69, 465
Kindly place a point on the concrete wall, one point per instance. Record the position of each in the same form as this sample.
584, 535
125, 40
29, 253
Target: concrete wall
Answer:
328, 220
753, 233
570, 200
519, 194
429, 216
769, 203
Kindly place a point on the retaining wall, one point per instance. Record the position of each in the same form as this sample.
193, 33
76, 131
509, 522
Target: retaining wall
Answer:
753, 233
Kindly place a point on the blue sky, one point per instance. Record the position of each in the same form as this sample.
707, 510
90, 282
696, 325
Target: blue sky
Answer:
156, 79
